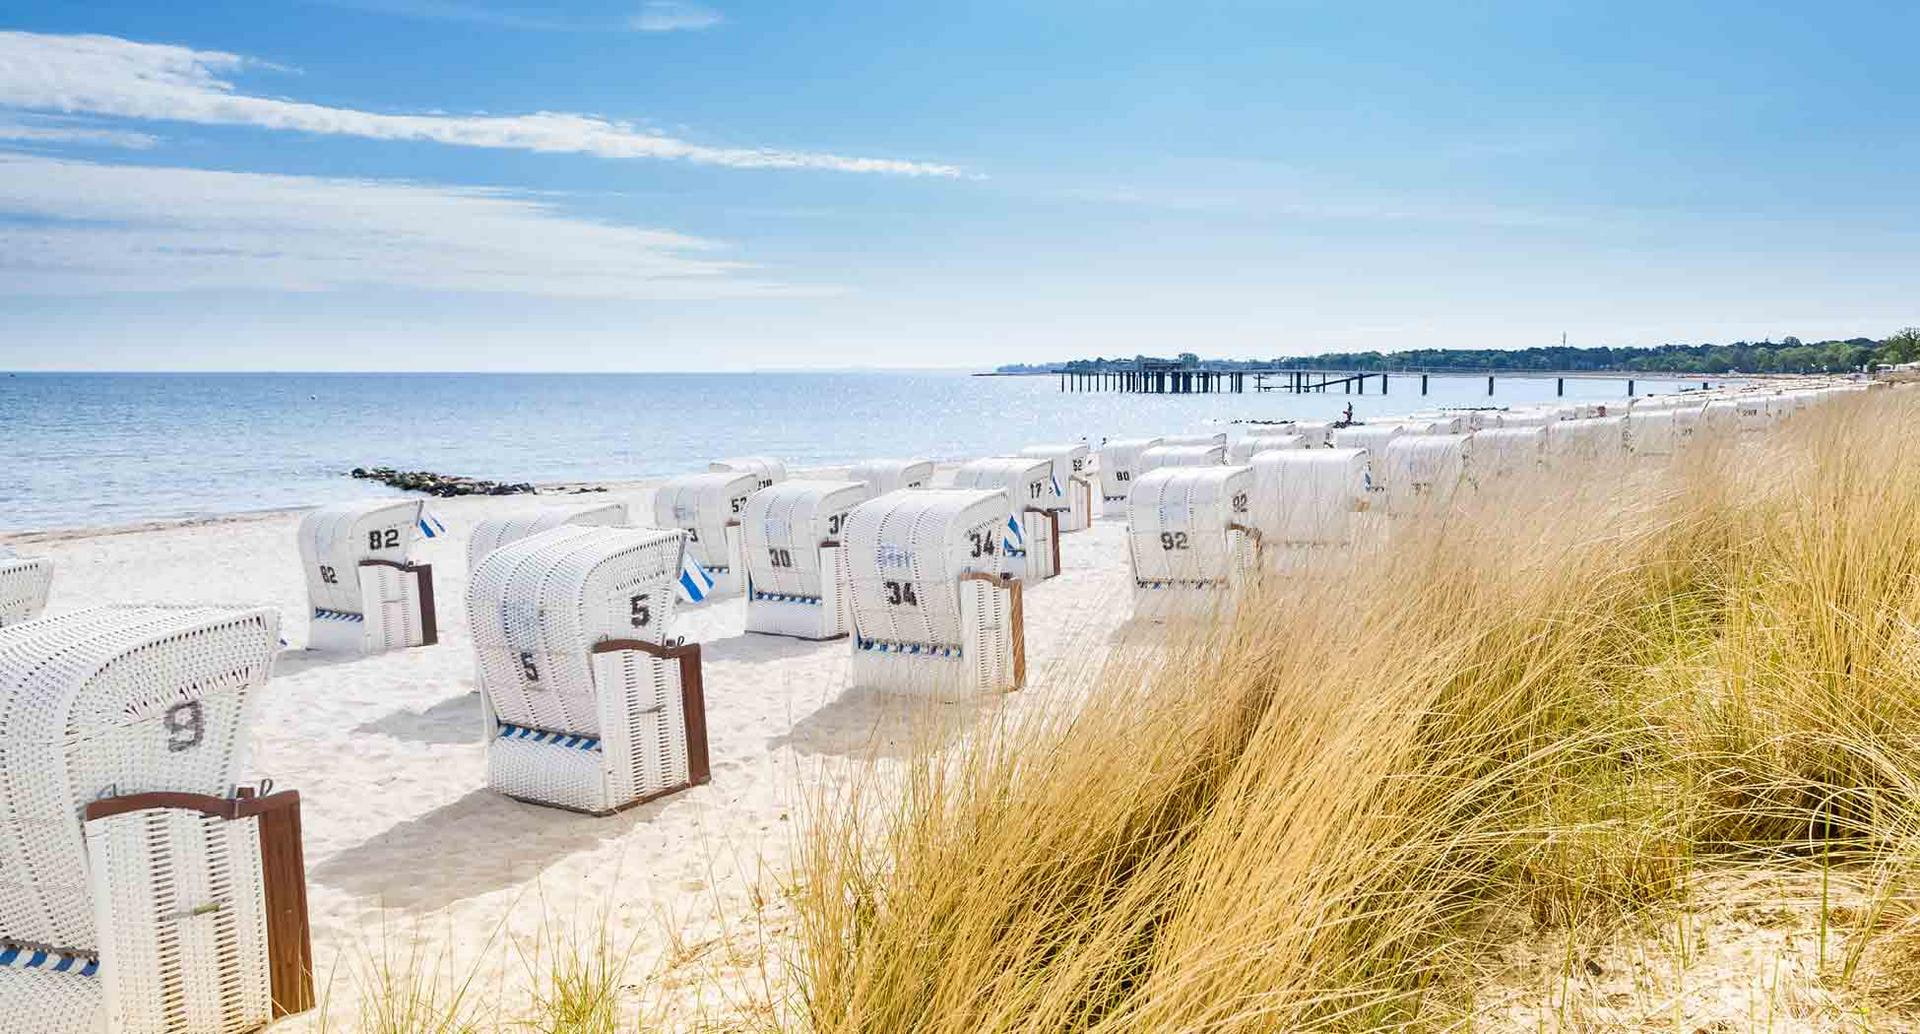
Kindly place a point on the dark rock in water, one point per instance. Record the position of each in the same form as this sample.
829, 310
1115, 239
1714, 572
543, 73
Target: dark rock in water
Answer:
442, 485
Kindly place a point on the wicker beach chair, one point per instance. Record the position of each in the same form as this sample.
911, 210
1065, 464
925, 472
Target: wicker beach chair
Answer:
1212, 454
707, 507
1318, 433
1422, 472
1210, 438
1529, 417
1309, 500
1031, 548
1190, 540
1246, 448
587, 704
883, 476
1597, 439
24, 582
932, 614
1371, 437
1070, 489
1119, 464
796, 576
145, 891
366, 594
494, 532
765, 469
1505, 452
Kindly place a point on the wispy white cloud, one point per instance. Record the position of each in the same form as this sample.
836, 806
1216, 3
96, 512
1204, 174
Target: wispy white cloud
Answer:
106, 75
69, 226
674, 16
43, 129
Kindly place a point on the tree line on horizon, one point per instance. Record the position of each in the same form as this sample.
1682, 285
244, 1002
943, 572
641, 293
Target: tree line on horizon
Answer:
1789, 355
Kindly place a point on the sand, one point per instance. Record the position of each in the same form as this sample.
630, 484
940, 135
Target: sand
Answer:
412, 859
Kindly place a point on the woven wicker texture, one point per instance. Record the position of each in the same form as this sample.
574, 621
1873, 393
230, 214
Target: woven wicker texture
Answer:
565, 725
918, 624
184, 929
1072, 464
766, 470
1501, 452
1423, 471
797, 585
1119, 463
708, 507
1589, 438
1026, 482
1309, 496
1247, 448
1177, 526
24, 582
494, 532
1371, 437
883, 476
1212, 454
115, 700
334, 539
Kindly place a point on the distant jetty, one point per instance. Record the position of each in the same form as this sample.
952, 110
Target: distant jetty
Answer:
443, 485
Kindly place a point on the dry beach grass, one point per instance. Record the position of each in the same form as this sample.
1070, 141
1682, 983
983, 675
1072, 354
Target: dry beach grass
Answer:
1560, 724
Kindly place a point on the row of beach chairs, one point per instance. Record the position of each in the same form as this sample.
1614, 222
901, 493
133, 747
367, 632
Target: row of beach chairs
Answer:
151, 886
1202, 514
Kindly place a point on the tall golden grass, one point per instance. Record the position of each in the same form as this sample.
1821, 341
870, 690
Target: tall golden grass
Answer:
1567, 702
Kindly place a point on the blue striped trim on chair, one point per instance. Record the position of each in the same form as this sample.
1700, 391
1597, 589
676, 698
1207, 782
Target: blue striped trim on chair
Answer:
928, 650
51, 961
509, 731
779, 597
323, 614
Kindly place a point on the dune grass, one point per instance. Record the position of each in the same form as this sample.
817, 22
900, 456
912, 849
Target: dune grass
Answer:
1568, 704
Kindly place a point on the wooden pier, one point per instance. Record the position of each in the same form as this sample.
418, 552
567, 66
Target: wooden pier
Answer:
1175, 381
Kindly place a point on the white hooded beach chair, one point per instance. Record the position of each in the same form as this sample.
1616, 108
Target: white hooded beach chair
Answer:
883, 476
1211, 438
1307, 503
494, 532
367, 595
765, 469
1071, 493
1119, 464
1422, 473
587, 704
1318, 433
1751, 413
1590, 439
1371, 437
708, 507
931, 612
1528, 418
1654, 431
1505, 452
145, 891
24, 582
1247, 448
1720, 416
1189, 537
1030, 550
796, 579
1211, 454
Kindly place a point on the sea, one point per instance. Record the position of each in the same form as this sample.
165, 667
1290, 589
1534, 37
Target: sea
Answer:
86, 450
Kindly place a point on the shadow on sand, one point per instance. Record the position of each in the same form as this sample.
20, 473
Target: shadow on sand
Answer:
870, 723
453, 721
480, 843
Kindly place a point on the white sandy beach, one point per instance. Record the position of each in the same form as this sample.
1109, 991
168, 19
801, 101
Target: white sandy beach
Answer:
407, 851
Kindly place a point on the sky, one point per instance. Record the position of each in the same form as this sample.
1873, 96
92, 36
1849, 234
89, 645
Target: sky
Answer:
727, 185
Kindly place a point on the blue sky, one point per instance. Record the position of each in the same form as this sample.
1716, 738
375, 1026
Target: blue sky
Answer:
461, 184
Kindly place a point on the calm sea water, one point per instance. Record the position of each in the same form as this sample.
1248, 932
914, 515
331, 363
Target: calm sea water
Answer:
83, 450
